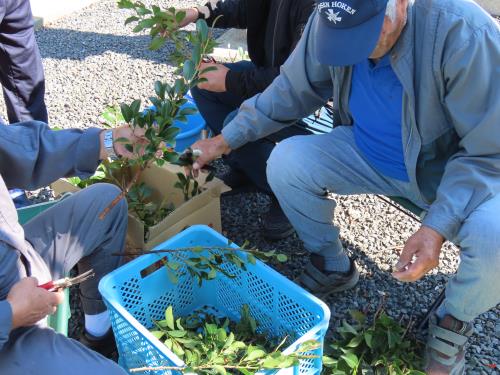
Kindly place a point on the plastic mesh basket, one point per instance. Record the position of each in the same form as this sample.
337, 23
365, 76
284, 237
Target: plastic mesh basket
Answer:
140, 291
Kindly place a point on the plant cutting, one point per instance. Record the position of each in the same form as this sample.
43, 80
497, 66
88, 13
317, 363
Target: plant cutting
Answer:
209, 344
381, 347
207, 261
157, 122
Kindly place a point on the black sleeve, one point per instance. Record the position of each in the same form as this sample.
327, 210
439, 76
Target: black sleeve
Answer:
250, 82
231, 13
303, 11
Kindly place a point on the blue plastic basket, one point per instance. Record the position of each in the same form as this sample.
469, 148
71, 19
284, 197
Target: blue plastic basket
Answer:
139, 292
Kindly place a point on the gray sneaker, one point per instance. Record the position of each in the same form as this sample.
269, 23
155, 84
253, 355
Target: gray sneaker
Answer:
319, 282
445, 350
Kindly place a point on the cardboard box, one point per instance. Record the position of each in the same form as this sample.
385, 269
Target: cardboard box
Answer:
201, 209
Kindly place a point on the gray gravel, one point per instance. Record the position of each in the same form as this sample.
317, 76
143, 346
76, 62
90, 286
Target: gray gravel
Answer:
92, 60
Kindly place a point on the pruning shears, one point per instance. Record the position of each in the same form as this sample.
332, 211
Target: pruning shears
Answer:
66, 282
209, 59
189, 156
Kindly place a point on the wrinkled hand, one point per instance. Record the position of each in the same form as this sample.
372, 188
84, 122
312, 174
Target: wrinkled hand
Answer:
216, 79
420, 255
135, 137
30, 304
209, 150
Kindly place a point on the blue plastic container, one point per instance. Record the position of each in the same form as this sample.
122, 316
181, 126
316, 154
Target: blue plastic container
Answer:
140, 291
190, 131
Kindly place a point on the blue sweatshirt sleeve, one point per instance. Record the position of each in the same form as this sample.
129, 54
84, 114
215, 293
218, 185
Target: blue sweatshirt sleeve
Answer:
32, 155
472, 97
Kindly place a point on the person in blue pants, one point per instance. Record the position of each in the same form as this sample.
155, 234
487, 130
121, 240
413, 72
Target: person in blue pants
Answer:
21, 71
273, 29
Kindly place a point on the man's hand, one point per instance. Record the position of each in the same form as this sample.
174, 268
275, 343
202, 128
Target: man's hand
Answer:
135, 136
420, 255
216, 79
210, 149
192, 15
30, 304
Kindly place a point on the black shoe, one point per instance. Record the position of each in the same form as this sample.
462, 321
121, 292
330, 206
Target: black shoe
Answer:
105, 345
275, 225
238, 181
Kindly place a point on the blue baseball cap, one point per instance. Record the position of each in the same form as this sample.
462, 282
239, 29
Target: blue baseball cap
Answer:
347, 31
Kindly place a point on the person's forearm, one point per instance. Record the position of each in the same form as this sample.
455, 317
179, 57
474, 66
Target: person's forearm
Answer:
33, 155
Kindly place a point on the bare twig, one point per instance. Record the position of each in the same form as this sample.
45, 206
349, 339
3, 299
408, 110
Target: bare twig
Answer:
122, 194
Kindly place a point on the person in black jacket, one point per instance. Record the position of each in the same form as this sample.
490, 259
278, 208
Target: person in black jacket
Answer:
21, 71
273, 29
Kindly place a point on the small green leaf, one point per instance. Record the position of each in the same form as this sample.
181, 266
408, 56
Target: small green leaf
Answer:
282, 258
131, 19
126, 112
255, 354
158, 334
177, 333
212, 274
351, 359
179, 16
143, 11
174, 279
348, 328
157, 43
354, 343
169, 317
125, 4
328, 362
188, 70
188, 111
251, 259
202, 28
368, 339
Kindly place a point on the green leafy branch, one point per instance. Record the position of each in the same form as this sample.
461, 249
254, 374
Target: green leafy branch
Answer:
156, 124
141, 205
211, 345
207, 262
378, 348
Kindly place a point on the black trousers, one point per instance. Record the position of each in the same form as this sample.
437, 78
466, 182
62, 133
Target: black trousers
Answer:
21, 70
218, 109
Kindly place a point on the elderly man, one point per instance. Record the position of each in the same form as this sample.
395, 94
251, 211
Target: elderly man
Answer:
417, 88
48, 246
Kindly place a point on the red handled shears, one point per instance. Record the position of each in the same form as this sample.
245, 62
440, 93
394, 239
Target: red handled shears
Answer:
54, 285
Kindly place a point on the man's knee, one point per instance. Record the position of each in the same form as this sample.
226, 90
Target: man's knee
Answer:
103, 194
285, 163
479, 238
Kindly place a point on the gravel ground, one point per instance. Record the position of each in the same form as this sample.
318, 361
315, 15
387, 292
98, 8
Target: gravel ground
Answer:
91, 60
